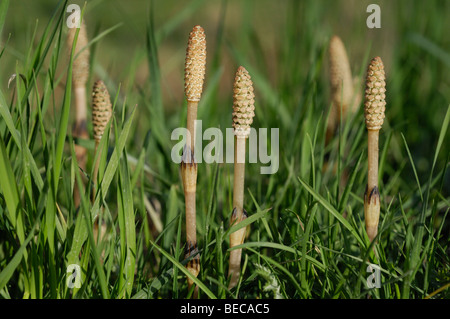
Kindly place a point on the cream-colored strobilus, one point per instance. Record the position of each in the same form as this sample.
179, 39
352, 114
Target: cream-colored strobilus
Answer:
374, 108
243, 113
345, 96
80, 74
101, 114
194, 75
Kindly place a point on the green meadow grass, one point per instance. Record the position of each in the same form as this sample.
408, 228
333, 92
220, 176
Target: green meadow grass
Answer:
306, 227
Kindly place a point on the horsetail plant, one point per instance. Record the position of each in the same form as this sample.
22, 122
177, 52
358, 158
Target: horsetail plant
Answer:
101, 114
243, 113
374, 108
342, 85
194, 74
80, 74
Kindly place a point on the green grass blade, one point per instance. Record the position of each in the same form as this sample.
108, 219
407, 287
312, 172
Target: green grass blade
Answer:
249, 220
130, 229
8, 271
8, 184
176, 263
7, 117
413, 166
333, 211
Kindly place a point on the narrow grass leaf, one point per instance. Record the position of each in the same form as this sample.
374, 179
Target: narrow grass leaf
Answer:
413, 166
333, 211
176, 263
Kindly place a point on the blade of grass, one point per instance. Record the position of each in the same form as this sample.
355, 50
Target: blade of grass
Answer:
333, 211
413, 263
181, 267
348, 187
280, 247
130, 229
8, 184
8, 271
413, 166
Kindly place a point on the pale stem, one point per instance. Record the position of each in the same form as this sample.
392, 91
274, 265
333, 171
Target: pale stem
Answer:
97, 163
191, 118
191, 227
372, 159
372, 195
189, 171
239, 175
237, 237
80, 104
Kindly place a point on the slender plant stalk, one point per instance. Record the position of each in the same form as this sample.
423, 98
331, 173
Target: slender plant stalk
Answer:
243, 113
342, 85
195, 67
80, 74
101, 114
374, 109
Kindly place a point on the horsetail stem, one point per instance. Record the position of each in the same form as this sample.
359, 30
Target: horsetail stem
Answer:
374, 109
194, 74
80, 74
243, 113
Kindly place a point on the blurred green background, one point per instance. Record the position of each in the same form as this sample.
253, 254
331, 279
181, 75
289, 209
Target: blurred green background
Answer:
277, 38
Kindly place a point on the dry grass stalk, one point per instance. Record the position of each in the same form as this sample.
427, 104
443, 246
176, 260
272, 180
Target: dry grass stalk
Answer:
80, 74
194, 74
243, 113
374, 109
343, 98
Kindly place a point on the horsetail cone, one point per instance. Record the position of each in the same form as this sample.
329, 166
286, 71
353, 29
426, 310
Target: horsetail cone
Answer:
195, 64
194, 75
375, 104
243, 113
101, 109
243, 103
340, 74
374, 109
80, 71
80, 74
101, 114
343, 86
